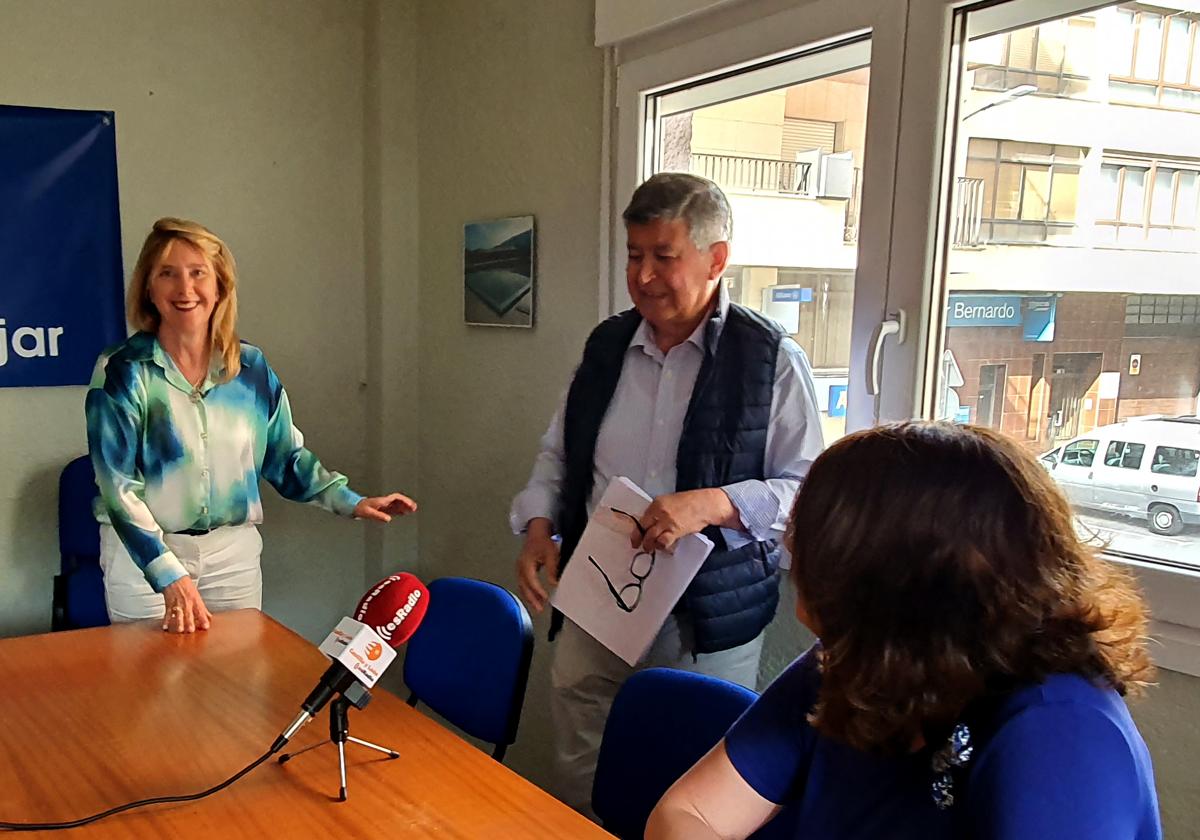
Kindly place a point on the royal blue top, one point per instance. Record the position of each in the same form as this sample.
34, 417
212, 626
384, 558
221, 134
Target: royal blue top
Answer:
1059, 759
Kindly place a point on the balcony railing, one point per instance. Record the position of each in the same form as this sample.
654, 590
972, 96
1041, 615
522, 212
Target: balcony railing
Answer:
968, 214
750, 173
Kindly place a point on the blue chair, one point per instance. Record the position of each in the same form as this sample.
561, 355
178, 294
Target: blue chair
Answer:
662, 722
469, 659
78, 599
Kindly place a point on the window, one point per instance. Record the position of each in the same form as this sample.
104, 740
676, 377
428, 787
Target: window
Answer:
786, 142
1162, 310
1030, 190
1148, 201
1154, 59
1081, 453
1053, 58
1086, 335
1171, 460
1127, 456
1100, 334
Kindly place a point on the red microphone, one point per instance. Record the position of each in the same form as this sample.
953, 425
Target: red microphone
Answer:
394, 608
388, 614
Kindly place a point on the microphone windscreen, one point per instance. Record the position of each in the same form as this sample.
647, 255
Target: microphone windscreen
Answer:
394, 607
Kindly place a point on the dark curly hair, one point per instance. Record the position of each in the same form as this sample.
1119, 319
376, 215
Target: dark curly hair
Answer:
939, 564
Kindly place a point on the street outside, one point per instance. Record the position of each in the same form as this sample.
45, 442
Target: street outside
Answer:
1130, 536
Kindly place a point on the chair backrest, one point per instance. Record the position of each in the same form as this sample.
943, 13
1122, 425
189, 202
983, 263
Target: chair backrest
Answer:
662, 722
469, 659
78, 533
78, 599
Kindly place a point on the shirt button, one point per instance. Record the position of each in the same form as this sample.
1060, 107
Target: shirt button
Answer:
204, 473
204, 436
204, 510
653, 473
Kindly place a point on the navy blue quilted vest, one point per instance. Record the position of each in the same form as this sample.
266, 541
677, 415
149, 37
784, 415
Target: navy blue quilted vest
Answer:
724, 439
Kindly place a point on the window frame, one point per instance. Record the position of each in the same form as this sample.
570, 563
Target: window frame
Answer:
1053, 166
1007, 70
1177, 166
1123, 453
1160, 83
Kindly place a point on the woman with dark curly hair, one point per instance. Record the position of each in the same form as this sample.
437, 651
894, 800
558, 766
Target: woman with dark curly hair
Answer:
971, 660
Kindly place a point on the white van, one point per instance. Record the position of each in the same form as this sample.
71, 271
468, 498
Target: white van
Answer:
1145, 468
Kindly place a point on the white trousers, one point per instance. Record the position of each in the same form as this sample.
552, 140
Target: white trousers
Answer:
585, 677
224, 563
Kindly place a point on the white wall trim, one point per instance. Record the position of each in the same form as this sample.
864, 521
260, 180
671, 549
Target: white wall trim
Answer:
620, 20
607, 254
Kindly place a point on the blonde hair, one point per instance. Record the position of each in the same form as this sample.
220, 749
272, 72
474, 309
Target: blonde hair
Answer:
222, 327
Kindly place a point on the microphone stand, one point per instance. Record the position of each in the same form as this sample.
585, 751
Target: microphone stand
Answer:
339, 731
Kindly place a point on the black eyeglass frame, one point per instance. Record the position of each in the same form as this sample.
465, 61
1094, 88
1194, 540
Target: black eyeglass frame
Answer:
639, 580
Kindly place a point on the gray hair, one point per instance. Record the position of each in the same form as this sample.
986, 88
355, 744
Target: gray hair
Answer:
668, 196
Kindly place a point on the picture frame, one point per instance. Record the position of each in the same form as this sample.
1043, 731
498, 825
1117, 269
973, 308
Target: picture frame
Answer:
499, 272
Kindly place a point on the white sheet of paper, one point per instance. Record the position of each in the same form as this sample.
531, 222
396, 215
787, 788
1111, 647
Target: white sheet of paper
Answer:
583, 595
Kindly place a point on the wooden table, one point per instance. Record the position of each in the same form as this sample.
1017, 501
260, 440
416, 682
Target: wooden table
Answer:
95, 718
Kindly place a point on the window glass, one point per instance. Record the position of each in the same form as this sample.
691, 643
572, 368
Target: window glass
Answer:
1081, 453
790, 161
1170, 460
1186, 200
1092, 310
1120, 51
1133, 195
1036, 199
1065, 195
1124, 455
1149, 46
1162, 196
1179, 44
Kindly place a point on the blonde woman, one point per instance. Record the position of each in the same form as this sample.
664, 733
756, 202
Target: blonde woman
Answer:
183, 420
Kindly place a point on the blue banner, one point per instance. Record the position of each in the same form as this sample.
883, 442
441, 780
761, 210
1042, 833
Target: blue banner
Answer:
791, 295
984, 311
1039, 318
60, 245
837, 400
1035, 314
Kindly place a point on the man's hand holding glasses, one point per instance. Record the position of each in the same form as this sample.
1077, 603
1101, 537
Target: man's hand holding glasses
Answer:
671, 517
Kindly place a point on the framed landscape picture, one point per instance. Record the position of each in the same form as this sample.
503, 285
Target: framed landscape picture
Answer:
498, 272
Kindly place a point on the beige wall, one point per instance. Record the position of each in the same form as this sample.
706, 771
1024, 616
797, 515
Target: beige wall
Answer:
248, 117
747, 127
523, 136
390, 221
753, 125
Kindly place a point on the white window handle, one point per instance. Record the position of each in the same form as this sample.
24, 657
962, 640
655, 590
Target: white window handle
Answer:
895, 324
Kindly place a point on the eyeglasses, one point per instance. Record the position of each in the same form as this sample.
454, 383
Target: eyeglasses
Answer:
640, 561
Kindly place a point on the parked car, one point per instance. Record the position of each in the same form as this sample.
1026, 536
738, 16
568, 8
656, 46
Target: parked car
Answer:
1143, 468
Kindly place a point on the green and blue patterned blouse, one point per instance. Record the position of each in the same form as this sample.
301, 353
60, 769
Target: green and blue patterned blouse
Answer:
171, 458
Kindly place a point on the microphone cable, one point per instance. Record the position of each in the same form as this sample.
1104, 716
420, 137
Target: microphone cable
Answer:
158, 800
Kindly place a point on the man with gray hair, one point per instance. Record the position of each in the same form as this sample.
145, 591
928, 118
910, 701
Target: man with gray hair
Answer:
710, 408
